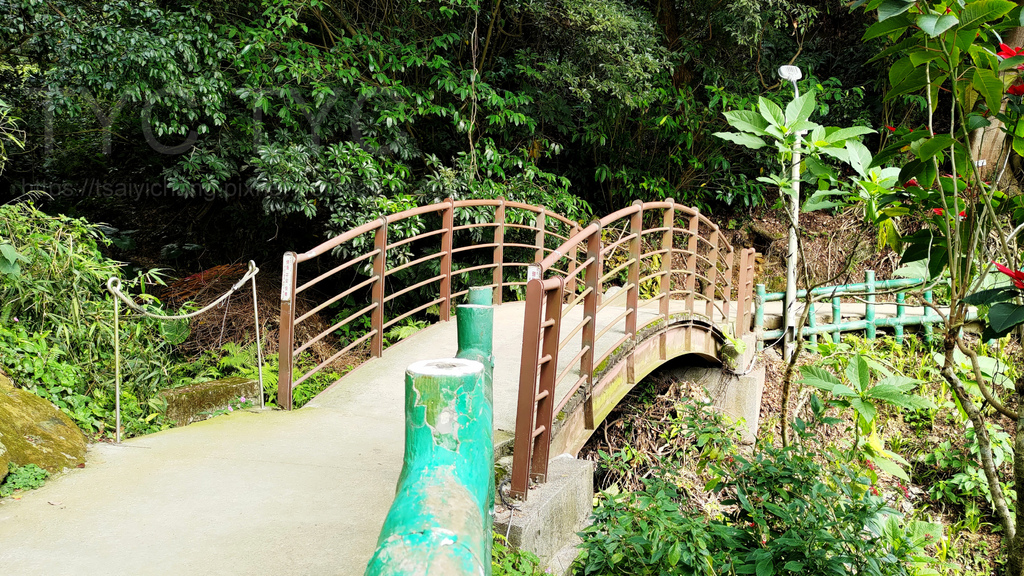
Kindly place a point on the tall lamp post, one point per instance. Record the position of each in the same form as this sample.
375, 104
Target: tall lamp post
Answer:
792, 73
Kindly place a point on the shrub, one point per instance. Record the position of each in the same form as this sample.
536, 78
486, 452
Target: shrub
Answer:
56, 323
799, 509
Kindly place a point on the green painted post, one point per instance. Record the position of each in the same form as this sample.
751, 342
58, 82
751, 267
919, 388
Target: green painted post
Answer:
925, 317
869, 304
759, 315
812, 321
440, 520
837, 318
901, 297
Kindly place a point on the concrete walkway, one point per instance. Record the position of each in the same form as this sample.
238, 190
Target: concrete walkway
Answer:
271, 492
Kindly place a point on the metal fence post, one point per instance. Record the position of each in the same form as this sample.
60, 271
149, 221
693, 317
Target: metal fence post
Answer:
498, 278
525, 408
380, 244
447, 241
589, 332
869, 304
286, 343
901, 297
712, 277
837, 318
668, 222
539, 239
691, 261
759, 315
548, 364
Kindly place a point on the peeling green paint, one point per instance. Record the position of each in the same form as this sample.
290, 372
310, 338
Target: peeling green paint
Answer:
440, 520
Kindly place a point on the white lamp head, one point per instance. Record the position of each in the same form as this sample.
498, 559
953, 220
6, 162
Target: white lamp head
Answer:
791, 73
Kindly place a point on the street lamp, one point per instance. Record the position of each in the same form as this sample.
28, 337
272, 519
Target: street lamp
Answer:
792, 74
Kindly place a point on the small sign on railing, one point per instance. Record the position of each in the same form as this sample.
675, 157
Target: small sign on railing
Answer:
286, 276
533, 272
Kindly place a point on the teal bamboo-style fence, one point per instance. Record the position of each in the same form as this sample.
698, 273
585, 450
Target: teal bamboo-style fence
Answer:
865, 293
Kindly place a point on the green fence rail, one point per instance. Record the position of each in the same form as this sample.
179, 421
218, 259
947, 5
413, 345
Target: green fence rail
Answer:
440, 520
865, 291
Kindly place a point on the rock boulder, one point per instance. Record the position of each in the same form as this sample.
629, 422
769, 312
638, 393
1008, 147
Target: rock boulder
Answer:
34, 431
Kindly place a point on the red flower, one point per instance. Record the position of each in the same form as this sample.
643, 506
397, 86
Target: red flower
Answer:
940, 212
911, 182
1016, 275
890, 128
1007, 52
1016, 89
874, 491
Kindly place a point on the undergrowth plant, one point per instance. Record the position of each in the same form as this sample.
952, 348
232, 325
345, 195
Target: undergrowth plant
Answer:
27, 477
801, 509
56, 324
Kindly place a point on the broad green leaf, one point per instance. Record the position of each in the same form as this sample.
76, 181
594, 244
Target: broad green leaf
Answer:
888, 26
859, 373
896, 397
934, 24
891, 467
800, 109
891, 8
771, 112
1005, 315
819, 378
1018, 139
824, 199
742, 138
860, 157
929, 148
990, 296
921, 56
866, 409
1011, 63
912, 82
842, 134
990, 86
746, 120
982, 11
175, 331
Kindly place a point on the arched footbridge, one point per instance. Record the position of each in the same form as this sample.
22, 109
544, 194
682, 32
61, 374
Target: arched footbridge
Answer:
582, 312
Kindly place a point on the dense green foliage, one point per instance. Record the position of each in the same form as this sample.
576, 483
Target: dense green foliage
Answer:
56, 323
803, 509
338, 112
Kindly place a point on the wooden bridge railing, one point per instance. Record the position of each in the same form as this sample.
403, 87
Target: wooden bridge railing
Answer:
435, 251
655, 252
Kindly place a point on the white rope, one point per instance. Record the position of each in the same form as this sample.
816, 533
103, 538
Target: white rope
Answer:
114, 286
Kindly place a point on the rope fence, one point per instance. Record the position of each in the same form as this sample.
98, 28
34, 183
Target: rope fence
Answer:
114, 287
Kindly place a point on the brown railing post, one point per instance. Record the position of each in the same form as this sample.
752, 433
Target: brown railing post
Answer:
539, 242
499, 252
745, 291
730, 260
570, 288
380, 244
668, 222
525, 409
447, 224
286, 343
691, 261
545, 399
636, 228
709, 290
589, 333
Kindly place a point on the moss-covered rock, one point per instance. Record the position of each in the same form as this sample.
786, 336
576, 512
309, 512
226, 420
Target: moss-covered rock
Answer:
34, 431
193, 403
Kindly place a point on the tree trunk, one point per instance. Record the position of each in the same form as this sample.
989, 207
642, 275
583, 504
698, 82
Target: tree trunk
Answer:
991, 145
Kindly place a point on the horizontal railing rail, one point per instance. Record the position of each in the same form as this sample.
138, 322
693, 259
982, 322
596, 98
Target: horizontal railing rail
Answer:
869, 321
644, 256
436, 255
